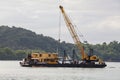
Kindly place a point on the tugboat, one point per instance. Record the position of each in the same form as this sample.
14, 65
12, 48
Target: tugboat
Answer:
52, 59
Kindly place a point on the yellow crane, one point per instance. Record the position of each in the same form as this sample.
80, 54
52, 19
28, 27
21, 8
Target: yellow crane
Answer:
76, 39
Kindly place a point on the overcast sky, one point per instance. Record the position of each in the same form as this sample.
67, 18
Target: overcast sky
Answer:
98, 20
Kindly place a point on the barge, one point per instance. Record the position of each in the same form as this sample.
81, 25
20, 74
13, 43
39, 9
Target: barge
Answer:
52, 60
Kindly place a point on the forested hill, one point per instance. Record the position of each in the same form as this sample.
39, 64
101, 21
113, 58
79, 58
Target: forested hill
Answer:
19, 38
15, 43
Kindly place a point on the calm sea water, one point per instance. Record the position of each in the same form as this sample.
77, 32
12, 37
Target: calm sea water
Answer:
11, 70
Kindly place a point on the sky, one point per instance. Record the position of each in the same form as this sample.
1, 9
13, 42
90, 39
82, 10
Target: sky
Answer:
97, 20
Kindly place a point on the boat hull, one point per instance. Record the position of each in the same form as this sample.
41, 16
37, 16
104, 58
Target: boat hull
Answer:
66, 65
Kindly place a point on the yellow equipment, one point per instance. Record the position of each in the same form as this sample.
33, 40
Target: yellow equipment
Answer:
76, 39
48, 58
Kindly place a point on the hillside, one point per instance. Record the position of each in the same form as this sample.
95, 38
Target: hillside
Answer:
16, 43
19, 38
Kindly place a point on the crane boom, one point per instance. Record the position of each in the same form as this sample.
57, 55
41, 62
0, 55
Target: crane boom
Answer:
73, 33
88, 59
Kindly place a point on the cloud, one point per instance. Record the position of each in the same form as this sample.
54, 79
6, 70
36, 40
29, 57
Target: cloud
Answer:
111, 22
98, 20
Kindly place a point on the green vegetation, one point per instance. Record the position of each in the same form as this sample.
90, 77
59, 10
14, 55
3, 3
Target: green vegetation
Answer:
10, 54
108, 52
16, 43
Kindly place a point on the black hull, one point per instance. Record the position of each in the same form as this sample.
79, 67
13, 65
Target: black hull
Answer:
66, 65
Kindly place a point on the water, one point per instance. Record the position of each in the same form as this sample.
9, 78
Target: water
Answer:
11, 70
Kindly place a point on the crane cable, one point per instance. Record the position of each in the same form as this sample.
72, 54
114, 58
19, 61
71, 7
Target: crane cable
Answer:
78, 31
59, 31
81, 35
